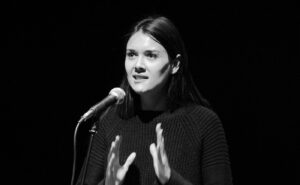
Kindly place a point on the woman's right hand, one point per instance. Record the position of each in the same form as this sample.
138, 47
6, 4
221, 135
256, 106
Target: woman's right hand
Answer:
115, 173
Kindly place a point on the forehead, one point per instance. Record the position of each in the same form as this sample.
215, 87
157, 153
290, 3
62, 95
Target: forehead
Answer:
142, 41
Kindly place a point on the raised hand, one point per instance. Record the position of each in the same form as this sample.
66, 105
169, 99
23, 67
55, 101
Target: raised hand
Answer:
115, 173
160, 159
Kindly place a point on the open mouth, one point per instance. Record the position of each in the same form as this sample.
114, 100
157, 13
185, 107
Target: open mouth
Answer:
139, 77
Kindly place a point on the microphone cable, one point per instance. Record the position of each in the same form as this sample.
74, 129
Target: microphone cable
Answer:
74, 152
116, 94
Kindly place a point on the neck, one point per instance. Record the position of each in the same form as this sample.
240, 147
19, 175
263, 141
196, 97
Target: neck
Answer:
154, 102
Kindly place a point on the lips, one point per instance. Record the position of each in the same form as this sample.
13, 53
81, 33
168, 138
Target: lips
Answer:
140, 77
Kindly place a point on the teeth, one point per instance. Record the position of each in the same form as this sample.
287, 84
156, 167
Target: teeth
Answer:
139, 77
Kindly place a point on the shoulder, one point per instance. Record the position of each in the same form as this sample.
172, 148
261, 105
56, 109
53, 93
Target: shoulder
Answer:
200, 119
199, 112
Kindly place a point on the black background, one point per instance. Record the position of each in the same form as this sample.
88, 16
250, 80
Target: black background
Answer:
64, 56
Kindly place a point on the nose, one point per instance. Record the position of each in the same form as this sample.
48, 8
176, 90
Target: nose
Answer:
139, 65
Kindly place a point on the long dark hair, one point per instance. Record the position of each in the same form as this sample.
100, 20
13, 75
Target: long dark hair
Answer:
181, 87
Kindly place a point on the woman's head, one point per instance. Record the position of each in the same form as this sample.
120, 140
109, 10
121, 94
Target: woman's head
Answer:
163, 31
156, 61
147, 65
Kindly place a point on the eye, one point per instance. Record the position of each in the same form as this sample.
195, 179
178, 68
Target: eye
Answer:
151, 55
131, 54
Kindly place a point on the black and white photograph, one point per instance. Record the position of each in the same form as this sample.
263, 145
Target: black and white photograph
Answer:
150, 93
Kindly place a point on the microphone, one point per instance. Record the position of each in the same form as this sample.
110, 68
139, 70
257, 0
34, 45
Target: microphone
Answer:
116, 95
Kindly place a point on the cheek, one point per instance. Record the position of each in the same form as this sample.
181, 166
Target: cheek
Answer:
162, 72
165, 69
128, 67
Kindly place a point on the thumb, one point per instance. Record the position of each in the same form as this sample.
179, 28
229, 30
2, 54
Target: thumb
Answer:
129, 160
121, 173
153, 152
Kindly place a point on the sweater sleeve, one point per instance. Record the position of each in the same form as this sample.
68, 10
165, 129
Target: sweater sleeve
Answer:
215, 157
97, 161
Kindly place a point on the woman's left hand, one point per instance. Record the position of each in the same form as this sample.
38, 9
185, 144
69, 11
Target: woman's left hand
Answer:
160, 159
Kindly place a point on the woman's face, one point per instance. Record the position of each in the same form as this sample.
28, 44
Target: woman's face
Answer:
147, 64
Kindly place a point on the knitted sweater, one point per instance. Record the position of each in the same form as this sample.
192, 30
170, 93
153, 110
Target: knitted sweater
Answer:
195, 145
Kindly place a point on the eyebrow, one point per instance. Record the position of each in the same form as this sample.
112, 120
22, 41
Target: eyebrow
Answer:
149, 50
152, 51
131, 50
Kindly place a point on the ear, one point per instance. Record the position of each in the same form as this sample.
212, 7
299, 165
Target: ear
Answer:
176, 64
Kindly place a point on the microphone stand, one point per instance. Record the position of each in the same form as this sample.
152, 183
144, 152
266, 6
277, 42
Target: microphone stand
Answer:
93, 131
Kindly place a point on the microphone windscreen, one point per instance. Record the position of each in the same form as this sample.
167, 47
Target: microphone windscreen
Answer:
118, 93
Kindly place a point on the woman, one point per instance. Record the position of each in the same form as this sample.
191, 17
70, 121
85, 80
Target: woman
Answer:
164, 131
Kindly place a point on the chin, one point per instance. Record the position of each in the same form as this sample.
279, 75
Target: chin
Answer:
139, 90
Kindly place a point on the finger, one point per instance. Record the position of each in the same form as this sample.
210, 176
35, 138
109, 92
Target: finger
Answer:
160, 147
158, 127
163, 145
109, 166
118, 143
163, 152
121, 173
158, 135
153, 152
114, 145
111, 150
129, 160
